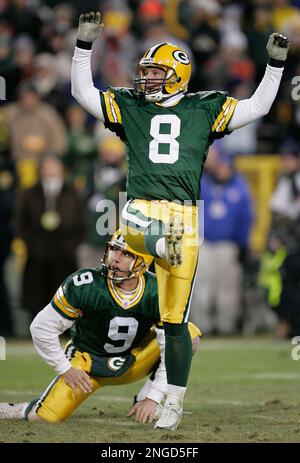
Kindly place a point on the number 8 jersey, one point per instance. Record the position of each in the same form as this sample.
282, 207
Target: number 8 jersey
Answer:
107, 322
166, 146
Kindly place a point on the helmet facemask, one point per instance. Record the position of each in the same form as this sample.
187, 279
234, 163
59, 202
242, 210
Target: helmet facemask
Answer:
155, 92
138, 265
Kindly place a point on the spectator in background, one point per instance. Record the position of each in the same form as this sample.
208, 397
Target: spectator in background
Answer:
21, 15
285, 202
232, 145
176, 16
270, 278
35, 128
50, 220
280, 270
107, 179
65, 15
258, 27
24, 51
153, 29
204, 23
117, 52
227, 222
289, 306
283, 13
7, 186
47, 84
232, 64
81, 150
8, 69
62, 57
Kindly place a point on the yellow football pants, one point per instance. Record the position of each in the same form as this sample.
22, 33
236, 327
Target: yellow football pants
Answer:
174, 283
59, 401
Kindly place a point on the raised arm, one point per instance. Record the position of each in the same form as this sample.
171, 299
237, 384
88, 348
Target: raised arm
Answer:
82, 86
259, 104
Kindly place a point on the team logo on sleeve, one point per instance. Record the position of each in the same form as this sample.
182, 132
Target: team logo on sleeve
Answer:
115, 363
181, 56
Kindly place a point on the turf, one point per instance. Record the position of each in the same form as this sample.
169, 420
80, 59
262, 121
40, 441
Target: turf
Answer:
240, 390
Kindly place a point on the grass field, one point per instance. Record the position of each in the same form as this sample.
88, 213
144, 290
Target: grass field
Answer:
240, 390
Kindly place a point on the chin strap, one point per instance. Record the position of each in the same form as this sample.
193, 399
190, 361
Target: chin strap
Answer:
171, 100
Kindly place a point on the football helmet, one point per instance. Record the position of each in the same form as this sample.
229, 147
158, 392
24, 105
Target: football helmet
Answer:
177, 66
139, 265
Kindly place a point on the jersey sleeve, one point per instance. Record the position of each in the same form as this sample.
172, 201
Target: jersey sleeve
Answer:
66, 300
112, 112
221, 110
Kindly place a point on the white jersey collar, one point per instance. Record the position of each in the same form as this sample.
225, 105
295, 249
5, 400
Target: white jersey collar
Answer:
171, 101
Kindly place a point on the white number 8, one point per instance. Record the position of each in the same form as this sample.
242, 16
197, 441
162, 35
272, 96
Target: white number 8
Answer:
83, 279
166, 138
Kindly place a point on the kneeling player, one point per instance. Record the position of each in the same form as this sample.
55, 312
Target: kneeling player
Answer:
117, 339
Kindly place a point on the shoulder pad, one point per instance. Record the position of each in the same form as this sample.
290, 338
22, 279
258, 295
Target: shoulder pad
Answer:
208, 95
122, 91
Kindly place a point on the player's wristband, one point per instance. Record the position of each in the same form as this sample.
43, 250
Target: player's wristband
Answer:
83, 44
276, 63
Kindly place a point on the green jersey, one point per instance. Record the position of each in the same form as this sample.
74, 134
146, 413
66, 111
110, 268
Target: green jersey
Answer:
166, 146
107, 322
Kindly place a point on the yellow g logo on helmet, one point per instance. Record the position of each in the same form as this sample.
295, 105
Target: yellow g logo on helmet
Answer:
181, 56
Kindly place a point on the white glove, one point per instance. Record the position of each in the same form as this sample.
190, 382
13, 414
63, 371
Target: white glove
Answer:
90, 26
278, 46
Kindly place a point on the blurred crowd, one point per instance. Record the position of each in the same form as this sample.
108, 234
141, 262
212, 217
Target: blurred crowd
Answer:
57, 163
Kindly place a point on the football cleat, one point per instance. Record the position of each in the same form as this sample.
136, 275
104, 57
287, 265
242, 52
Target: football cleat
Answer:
170, 417
12, 411
173, 235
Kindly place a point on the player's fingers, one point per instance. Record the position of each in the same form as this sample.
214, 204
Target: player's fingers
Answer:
98, 17
150, 417
145, 418
87, 17
141, 416
81, 18
138, 413
85, 377
72, 386
85, 385
131, 412
92, 16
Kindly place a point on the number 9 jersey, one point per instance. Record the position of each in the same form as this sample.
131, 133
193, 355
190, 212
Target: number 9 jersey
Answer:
107, 322
166, 146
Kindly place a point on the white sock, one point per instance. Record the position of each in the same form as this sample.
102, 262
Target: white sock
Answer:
175, 394
161, 247
23, 410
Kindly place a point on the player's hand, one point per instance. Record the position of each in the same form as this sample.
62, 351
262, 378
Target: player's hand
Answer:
76, 378
90, 26
278, 46
144, 411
